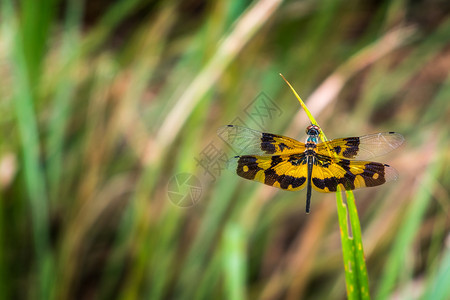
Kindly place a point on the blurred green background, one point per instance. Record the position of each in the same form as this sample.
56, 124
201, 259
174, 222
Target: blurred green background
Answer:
111, 173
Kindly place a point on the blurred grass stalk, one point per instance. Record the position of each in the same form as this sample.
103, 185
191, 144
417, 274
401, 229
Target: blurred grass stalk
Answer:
394, 272
234, 262
64, 93
246, 25
437, 286
28, 42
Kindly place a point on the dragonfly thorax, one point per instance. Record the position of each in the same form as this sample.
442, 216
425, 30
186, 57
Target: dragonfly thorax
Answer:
311, 141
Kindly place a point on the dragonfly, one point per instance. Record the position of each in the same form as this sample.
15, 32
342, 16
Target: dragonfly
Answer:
285, 163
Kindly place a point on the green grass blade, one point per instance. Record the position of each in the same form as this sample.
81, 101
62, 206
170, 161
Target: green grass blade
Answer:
63, 97
357, 247
351, 280
211, 276
37, 17
4, 289
438, 287
24, 100
233, 249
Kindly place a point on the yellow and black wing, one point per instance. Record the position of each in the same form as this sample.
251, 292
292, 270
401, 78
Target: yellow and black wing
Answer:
287, 172
248, 141
328, 173
363, 147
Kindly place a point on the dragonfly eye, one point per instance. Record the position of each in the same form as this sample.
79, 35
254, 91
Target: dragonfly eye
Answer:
312, 130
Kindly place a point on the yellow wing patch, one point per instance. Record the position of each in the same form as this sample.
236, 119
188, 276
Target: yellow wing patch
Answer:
287, 172
328, 173
281, 161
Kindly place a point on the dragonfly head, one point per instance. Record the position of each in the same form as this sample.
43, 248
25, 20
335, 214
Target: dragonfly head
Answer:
313, 130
